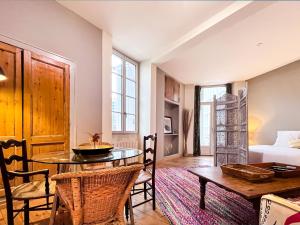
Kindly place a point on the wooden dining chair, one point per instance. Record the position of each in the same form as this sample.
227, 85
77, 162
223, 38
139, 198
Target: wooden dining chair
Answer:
26, 191
125, 144
147, 175
94, 197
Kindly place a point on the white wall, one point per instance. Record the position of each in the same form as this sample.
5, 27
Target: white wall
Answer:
106, 87
189, 104
51, 27
147, 99
273, 103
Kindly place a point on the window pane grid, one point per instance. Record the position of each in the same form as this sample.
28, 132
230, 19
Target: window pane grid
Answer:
130, 123
124, 85
130, 114
116, 93
116, 121
117, 64
207, 93
119, 75
127, 78
130, 70
117, 103
130, 97
130, 87
117, 83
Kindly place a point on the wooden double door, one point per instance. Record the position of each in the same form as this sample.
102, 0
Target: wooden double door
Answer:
34, 102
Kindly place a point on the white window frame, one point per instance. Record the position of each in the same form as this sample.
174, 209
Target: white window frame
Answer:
123, 94
211, 86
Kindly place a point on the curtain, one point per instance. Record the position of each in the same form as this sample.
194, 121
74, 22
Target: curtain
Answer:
229, 88
196, 144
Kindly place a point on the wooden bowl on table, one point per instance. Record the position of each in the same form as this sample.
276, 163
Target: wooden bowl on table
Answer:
248, 172
87, 149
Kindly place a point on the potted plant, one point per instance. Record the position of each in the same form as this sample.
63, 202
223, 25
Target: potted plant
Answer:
94, 139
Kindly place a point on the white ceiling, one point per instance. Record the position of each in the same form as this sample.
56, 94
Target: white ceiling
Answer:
201, 42
229, 52
141, 28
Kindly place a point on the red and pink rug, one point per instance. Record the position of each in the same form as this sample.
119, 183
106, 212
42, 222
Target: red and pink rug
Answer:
178, 196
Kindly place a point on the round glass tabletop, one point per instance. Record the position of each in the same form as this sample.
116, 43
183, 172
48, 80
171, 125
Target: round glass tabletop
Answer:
71, 158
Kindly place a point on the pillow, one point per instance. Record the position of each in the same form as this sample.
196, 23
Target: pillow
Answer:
294, 143
283, 138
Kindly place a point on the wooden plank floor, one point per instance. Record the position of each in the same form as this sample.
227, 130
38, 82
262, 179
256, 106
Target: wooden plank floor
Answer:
143, 215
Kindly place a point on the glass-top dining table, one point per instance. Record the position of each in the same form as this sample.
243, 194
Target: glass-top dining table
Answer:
69, 158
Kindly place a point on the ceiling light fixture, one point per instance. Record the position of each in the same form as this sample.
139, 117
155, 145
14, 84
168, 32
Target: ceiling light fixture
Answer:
2, 75
259, 44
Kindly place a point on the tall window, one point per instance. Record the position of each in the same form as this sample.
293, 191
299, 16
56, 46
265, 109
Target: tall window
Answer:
124, 94
206, 98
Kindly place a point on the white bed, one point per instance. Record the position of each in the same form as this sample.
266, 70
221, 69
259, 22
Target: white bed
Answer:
271, 153
281, 151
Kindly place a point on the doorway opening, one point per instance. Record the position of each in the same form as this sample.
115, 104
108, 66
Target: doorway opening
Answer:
206, 116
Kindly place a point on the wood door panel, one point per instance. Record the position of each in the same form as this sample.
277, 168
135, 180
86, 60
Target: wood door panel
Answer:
46, 101
48, 139
10, 98
10, 94
7, 96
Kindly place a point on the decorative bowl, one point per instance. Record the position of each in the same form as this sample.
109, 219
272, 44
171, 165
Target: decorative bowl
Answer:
248, 172
91, 150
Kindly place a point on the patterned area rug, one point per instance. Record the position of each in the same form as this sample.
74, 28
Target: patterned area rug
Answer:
178, 197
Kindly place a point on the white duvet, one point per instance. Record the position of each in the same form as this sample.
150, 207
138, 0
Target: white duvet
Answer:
271, 153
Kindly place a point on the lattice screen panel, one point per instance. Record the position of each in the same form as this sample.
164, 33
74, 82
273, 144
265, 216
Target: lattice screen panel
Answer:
230, 126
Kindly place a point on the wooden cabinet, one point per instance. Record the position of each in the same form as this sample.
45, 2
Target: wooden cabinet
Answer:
46, 105
10, 96
34, 101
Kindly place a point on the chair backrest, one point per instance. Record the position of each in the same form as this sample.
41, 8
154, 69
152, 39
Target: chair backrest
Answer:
150, 148
8, 160
97, 196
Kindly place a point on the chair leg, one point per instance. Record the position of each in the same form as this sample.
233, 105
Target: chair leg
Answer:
54, 209
131, 211
126, 210
26, 212
153, 196
10, 212
145, 191
116, 163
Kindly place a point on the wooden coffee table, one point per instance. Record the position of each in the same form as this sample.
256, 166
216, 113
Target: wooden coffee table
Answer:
252, 192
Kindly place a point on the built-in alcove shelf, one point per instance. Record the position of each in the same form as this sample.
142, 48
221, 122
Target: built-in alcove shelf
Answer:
171, 134
171, 145
169, 100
